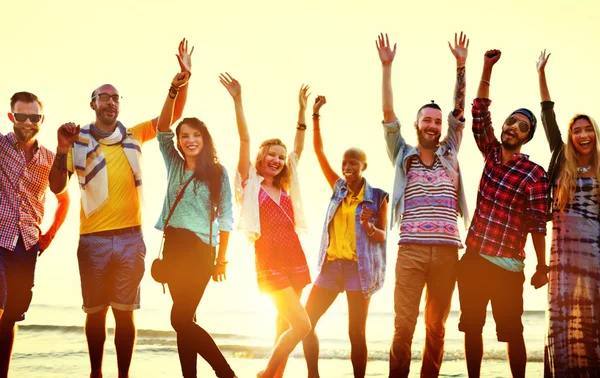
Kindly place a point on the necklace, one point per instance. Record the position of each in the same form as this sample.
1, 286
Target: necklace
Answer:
584, 169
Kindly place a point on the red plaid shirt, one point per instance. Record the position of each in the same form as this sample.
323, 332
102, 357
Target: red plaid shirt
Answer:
511, 200
23, 192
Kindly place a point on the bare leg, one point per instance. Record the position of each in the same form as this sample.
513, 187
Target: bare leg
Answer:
288, 305
473, 353
319, 300
517, 357
95, 332
281, 325
7, 339
358, 309
125, 334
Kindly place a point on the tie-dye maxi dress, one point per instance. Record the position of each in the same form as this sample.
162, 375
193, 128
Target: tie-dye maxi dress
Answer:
573, 340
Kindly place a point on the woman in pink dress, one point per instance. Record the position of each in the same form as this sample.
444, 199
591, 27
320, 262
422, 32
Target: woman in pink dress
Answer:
270, 214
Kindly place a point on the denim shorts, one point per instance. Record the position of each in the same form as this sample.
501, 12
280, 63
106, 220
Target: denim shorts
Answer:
16, 280
339, 275
111, 269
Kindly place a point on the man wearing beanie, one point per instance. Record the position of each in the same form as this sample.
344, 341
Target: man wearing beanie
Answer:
427, 199
511, 202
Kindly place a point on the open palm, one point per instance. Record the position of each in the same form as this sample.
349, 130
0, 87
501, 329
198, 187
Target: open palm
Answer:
184, 57
386, 53
542, 60
232, 85
461, 47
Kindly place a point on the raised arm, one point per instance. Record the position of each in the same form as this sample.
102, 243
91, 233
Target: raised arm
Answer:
59, 176
329, 173
59, 218
166, 118
460, 52
184, 57
489, 59
551, 128
301, 126
235, 90
541, 68
386, 55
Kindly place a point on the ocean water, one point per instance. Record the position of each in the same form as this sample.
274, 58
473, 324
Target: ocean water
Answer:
51, 343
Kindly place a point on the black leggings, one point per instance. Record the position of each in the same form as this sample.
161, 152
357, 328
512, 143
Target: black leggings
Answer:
193, 263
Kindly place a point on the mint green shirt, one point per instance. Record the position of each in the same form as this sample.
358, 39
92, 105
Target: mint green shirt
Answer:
193, 210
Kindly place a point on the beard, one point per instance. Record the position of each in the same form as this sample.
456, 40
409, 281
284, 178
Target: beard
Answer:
514, 144
425, 142
100, 115
26, 135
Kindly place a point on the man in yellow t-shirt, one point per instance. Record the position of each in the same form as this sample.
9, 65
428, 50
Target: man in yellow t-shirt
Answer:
104, 155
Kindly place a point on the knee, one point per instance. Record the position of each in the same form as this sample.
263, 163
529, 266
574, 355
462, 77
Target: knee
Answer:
303, 327
435, 330
180, 323
357, 336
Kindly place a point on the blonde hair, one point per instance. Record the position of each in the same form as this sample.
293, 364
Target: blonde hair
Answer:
282, 180
567, 179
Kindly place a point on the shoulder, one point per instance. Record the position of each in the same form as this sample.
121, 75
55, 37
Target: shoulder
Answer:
140, 129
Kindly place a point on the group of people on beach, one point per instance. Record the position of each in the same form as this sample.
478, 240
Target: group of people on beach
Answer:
516, 197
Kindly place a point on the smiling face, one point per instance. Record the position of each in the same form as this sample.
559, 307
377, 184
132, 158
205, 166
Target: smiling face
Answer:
273, 162
429, 127
104, 104
512, 137
190, 141
25, 130
353, 165
583, 137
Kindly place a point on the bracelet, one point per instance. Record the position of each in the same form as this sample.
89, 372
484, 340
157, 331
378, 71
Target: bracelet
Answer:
542, 267
316, 116
173, 91
371, 230
224, 262
60, 161
485, 81
301, 126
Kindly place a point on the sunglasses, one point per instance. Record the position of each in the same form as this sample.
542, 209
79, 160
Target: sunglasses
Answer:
34, 118
523, 126
106, 96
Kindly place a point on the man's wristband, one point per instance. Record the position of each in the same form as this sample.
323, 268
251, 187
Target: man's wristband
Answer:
301, 126
316, 116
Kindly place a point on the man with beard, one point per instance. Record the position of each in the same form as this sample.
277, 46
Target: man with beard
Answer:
24, 168
105, 156
428, 196
511, 202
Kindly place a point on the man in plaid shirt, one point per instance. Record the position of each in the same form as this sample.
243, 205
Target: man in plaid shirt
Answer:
511, 202
24, 168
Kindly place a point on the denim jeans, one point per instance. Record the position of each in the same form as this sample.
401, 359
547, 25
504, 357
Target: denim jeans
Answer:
417, 266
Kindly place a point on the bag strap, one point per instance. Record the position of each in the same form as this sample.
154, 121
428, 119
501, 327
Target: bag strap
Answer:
177, 199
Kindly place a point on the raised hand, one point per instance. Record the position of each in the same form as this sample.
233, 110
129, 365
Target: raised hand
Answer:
67, 134
303, 96
181, 79
184, 57
319, 102
386, 54
461, 48
542, 60
232, 85
491, 57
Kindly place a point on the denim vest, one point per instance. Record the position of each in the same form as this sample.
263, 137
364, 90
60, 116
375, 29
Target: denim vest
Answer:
370, 254
399, 153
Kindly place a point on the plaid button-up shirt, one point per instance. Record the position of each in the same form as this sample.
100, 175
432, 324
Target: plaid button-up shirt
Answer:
22, 192
511, 200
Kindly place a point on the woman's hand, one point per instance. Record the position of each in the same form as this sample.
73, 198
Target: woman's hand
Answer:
184, 57
319, 102
219, 274
303, 96
232, 85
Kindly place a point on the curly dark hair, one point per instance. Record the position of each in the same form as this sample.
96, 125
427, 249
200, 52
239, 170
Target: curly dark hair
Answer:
208, 168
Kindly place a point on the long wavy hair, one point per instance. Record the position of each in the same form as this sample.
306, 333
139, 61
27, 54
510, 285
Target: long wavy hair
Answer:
565, 189
282, 180
208, 168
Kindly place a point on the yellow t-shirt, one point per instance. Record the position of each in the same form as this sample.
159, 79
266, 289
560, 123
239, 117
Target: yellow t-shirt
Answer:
342, 229
123, 206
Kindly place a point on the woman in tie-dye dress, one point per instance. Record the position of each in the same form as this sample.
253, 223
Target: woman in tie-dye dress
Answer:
573, 340
270, 214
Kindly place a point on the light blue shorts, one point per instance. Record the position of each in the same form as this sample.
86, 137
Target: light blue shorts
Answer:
339, 275
111, 268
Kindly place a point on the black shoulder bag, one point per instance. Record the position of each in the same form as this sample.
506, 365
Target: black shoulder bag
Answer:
160, 270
